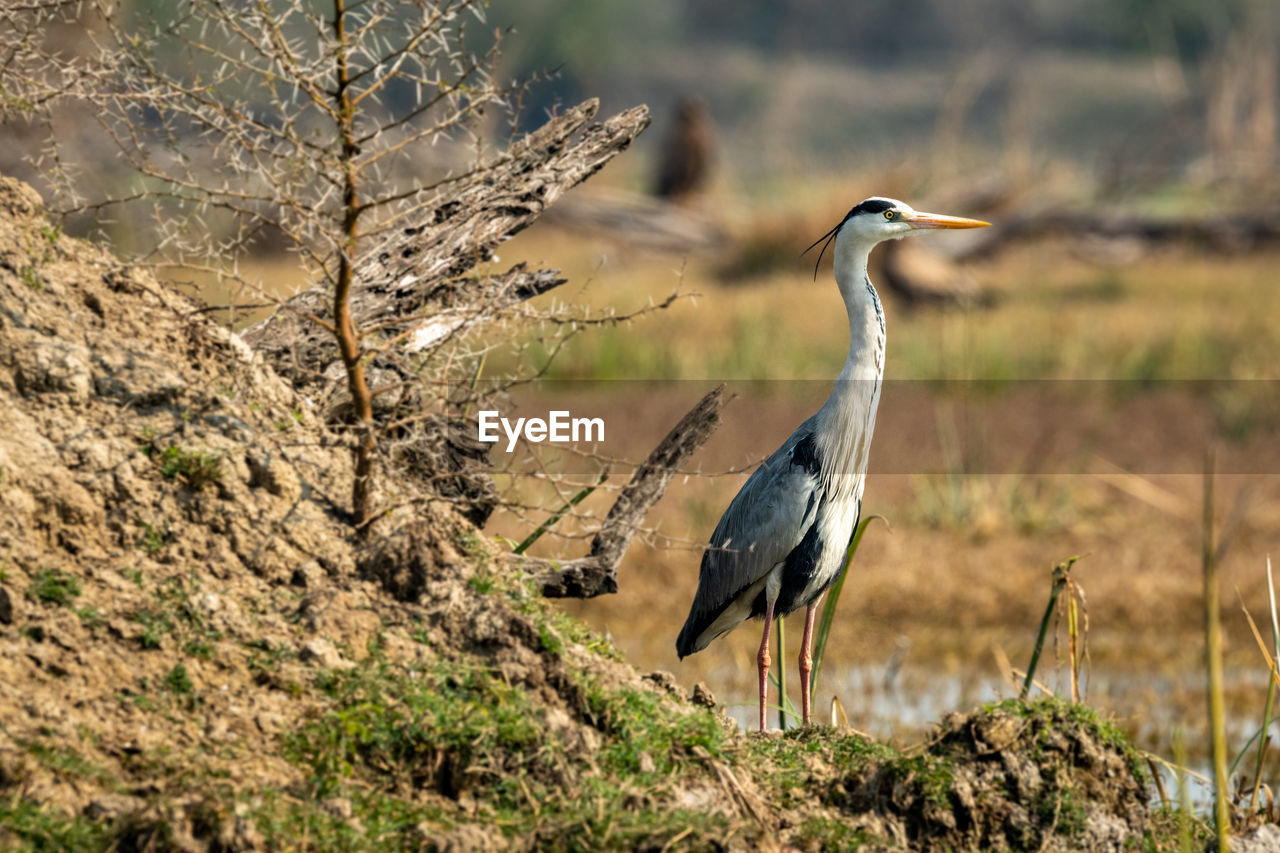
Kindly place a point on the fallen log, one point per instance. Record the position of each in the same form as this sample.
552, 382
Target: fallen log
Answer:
1230, 232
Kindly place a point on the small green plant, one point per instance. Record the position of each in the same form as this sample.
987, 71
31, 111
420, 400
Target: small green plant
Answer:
193, 467
139, 700
90, 617
474, 546
265, 663
420, 634
154, 539
198, 649
31, 278
155, 626
54, 586
551, 643
179, 681
33, 825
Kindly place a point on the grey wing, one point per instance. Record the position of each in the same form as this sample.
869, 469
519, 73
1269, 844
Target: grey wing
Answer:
764, 523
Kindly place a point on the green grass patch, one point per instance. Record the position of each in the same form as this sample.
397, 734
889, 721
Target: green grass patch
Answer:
823, 832
28, 825
68, 763
154, 538
556, 625
782, 765
54, 586
178, 681
933, 776
385, 822
196, 468
155, 627
640, 722
551, 643
463, 730
394, 726
90, 617
198, 648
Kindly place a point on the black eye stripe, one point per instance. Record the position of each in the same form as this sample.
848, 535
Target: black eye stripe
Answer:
871, 205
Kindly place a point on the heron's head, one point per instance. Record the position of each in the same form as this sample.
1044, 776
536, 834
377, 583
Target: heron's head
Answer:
878, 219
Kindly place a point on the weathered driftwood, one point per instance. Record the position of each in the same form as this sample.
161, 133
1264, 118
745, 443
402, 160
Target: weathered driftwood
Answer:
597, 573
423, 271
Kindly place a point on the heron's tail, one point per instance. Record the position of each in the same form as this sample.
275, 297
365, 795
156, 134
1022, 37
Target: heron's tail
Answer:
685, 642
694, 636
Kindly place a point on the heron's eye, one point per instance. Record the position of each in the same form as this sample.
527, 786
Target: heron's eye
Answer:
890, 214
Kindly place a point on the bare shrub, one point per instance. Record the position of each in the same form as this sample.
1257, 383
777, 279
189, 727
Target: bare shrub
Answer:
355, 135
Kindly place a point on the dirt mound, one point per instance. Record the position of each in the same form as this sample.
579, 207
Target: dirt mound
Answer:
196, 653
185, 615
1015, 777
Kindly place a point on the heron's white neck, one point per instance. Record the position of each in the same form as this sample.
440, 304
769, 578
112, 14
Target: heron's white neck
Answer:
848, 417
866, 314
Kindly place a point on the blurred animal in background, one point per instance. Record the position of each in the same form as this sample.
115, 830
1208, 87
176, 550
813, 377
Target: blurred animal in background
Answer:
688, 152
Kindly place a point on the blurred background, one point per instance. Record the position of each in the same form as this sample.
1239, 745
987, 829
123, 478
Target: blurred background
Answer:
1135, 94
1054, 380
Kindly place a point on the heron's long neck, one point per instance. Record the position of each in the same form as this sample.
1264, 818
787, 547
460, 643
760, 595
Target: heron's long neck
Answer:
848, 417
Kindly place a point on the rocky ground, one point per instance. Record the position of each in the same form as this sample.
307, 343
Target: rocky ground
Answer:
197, 654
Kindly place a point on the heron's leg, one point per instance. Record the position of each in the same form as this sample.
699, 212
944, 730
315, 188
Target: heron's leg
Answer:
806, 659
764, 661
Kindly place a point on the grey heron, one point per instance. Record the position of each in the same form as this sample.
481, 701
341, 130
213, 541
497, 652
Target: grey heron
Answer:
781, 543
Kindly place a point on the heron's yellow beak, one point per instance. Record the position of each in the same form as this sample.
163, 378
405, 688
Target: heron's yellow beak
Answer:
937, 220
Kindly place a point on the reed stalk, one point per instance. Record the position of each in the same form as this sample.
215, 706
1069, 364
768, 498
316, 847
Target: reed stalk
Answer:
1213, 663
1061, 576
828, 617
557, 515
1271, 696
